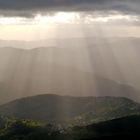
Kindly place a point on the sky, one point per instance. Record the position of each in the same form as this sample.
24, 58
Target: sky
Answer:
45, 19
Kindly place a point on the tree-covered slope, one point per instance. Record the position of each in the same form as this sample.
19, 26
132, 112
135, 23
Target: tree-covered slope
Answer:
32, 130
76, 110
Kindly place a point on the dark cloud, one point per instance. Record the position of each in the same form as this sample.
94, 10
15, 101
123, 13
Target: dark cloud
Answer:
28, 8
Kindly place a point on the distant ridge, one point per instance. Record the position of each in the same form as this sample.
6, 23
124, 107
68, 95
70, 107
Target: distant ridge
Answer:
76, 71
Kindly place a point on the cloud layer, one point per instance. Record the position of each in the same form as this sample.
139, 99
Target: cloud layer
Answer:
27, 8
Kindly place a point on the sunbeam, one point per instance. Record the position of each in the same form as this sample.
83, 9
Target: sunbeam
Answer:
69, 69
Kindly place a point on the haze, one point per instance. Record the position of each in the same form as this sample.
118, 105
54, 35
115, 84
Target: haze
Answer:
69, 48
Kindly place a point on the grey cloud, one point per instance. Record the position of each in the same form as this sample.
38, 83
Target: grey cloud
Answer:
27, 8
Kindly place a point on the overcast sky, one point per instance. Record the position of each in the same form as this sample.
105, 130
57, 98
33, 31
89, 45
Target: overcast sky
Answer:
31, 7
32, 19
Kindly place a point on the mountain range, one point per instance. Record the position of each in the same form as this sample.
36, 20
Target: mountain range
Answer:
85, 71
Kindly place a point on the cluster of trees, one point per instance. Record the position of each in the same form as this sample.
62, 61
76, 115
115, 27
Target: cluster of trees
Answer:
25, 129
12, 129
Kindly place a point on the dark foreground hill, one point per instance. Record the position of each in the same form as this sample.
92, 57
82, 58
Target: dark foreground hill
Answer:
117, 128
76, 110
126, 127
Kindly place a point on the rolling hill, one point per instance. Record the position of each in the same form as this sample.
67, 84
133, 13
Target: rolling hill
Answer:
74, 110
